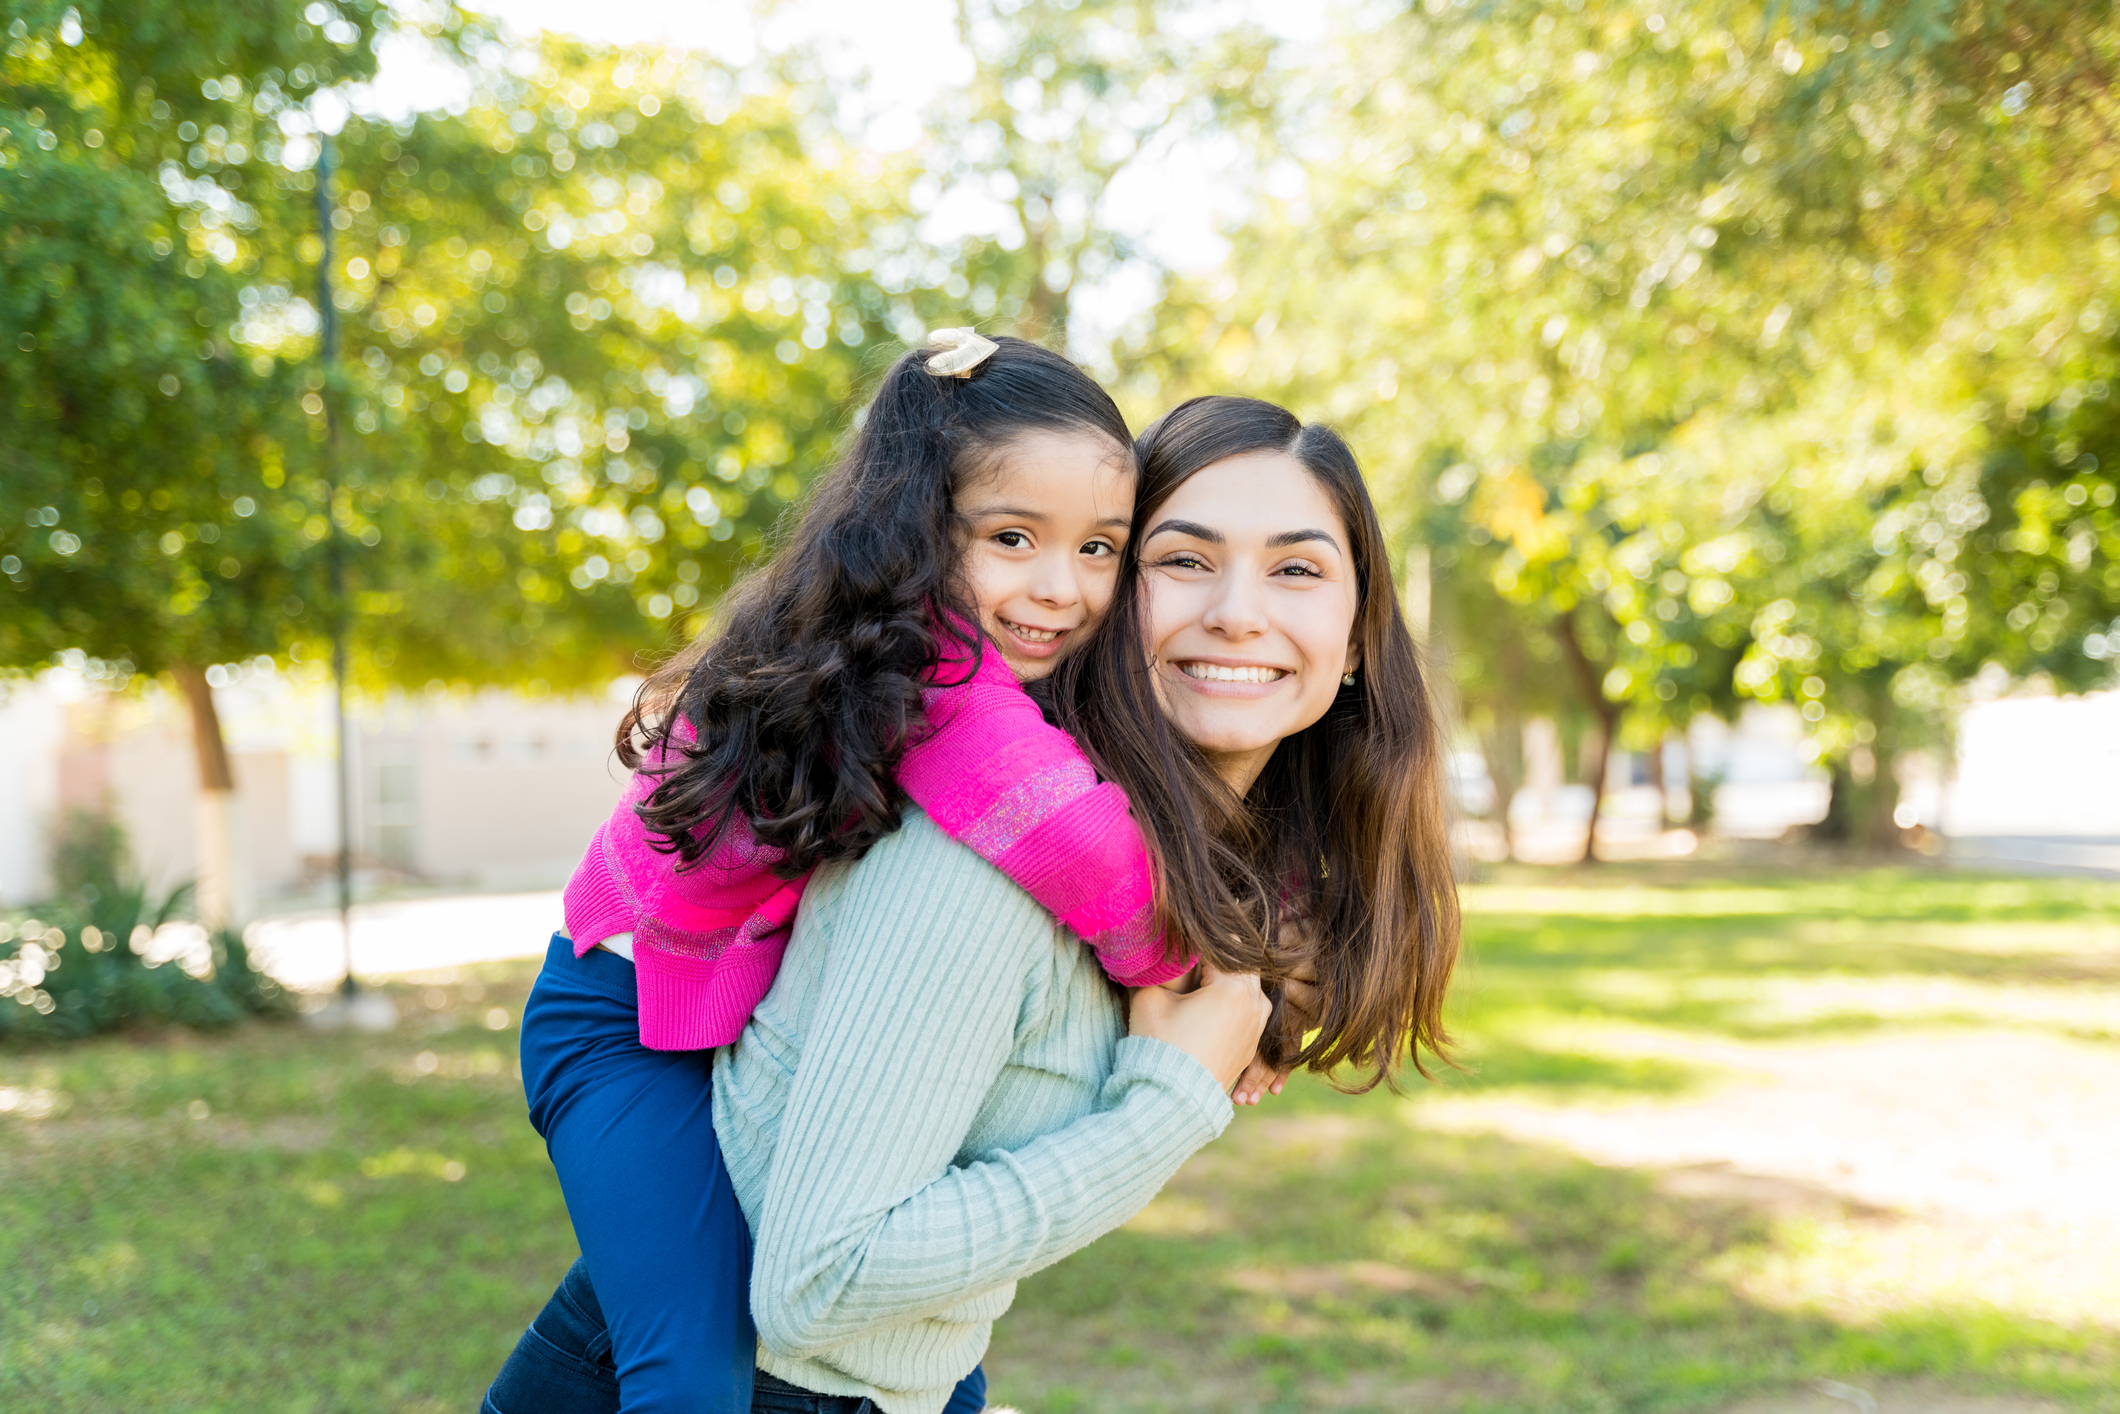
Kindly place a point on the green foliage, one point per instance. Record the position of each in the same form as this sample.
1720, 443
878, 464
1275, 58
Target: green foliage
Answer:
82, 968
1064, 96
1662, 326
599, 331
62, 989
88, 847
2046, 565
137, 438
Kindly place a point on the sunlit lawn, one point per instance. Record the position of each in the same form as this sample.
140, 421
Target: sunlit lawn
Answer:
280, 1220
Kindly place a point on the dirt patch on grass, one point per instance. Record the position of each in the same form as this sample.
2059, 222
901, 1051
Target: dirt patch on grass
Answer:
1887, 1397
1961, 1167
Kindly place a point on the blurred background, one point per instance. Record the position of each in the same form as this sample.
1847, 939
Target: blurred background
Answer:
383, 386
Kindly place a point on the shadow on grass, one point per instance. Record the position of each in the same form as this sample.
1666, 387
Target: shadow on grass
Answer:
1331, 1256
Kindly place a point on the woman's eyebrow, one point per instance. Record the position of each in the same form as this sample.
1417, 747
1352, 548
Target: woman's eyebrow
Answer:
1297, 537
1186, 527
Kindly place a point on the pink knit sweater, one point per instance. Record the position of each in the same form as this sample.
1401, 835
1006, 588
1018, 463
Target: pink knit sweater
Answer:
989, 771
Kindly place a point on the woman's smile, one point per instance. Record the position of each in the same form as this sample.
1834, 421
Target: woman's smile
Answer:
1232, 679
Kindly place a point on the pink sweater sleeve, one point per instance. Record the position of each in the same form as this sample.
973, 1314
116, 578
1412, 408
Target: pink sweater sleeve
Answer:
998, 778
707, 941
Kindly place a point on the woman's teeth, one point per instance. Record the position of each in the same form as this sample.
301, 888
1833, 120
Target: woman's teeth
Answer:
1032, 635
1216, 672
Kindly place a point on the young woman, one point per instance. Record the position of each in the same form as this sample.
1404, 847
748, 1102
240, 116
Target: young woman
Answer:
970, 536
936, 1098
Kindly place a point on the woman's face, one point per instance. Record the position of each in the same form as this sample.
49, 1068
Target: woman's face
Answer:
1251, 594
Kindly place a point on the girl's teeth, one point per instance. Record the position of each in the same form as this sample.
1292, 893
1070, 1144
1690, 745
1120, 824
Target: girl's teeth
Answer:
1215, 672
1034, 635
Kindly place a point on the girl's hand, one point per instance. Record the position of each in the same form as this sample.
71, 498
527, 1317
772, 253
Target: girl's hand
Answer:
1218, 1024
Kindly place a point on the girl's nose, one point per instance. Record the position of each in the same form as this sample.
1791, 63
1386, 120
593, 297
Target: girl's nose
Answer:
1053, 582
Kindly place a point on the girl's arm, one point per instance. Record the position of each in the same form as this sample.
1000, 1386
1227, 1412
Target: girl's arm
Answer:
1019, 792
865, 1221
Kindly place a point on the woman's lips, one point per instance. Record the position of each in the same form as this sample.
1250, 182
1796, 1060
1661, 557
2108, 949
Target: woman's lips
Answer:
1033, 642
1230, 679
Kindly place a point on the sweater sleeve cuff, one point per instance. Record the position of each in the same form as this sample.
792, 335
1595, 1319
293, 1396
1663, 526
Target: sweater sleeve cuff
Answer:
1195, 1097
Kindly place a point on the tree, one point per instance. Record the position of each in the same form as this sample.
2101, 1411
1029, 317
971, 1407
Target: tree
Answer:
1065, 96
600, 328
1679, 302
135, 437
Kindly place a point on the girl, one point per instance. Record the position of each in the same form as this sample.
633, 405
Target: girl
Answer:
989, 486
935, 1101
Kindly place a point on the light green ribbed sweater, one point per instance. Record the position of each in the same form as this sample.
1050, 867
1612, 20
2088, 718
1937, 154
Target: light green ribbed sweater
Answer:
936, 1099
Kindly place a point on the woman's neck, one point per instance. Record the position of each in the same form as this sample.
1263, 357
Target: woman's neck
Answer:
1239, 769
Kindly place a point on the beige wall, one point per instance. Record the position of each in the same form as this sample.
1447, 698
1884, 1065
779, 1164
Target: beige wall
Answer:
505, 792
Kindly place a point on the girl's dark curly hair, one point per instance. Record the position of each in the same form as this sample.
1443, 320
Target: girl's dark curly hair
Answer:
801, 705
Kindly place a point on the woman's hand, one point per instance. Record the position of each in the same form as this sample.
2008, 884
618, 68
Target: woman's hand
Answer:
1218, 1024
1296, 1014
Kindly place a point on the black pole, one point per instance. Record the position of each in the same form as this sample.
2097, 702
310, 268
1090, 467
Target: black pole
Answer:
334, 552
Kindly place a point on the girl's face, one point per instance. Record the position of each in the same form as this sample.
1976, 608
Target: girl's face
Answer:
1250, 595
1047, 520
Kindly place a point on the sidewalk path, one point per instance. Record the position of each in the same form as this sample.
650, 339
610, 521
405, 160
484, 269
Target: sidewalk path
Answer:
306, 950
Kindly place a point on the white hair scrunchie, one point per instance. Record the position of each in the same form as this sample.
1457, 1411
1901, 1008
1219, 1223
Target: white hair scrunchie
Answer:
962, 351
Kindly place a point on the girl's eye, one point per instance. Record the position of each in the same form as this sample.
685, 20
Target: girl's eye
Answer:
1098, 549
1013, 540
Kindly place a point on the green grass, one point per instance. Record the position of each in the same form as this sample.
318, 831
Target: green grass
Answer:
280, 1220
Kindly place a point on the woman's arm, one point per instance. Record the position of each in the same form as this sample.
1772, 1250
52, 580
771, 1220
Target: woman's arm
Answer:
864, 1221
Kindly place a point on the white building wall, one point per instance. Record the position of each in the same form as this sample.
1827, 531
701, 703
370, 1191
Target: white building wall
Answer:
30, 727
495, 790
2037, 766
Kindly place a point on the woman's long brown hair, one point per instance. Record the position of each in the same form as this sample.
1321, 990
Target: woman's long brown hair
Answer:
1344, 835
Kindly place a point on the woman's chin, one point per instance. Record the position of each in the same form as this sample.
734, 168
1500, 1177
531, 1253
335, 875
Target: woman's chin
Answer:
1228, 741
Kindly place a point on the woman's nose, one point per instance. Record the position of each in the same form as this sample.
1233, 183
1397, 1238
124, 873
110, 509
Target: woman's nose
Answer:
1235, 609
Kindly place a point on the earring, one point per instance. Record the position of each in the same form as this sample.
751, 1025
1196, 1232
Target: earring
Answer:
1347, 678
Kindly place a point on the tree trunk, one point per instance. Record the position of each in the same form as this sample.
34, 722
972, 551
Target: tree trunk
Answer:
1590, 681
1595, 762
1876, 828
1861, 805
1502, 746
221, 893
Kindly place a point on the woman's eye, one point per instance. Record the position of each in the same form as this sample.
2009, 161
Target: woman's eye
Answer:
1182, 560
1013, 540
1302, 571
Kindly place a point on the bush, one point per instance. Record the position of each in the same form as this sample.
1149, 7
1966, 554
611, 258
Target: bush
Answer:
82, 968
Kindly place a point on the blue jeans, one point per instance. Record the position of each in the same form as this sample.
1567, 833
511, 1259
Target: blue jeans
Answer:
655, 1318
631, 1132
563, 1365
